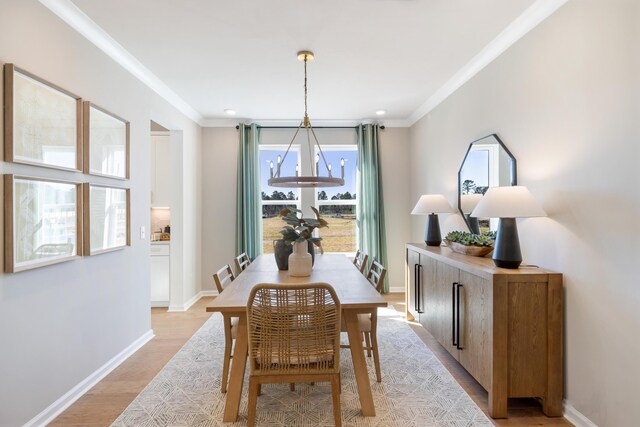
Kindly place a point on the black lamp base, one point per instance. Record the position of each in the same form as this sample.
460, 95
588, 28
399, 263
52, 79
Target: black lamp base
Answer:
506, 252
474, 225
432, 235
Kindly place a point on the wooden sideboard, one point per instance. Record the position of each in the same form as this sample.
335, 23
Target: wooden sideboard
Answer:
504, 326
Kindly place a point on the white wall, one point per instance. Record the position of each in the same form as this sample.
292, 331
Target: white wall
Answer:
61, 323
395, 161
219, 153
565, 99
219, 168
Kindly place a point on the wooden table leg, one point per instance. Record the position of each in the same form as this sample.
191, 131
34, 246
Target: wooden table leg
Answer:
238, 365
359, 363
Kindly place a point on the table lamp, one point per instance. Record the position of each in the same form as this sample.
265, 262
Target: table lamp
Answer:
432, 205
468, 203
507, 203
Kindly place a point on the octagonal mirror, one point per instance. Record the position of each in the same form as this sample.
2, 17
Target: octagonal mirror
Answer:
487, 163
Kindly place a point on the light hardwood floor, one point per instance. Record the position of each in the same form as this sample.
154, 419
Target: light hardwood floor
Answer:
104, 402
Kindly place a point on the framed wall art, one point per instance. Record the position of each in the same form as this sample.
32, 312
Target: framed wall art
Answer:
106, 143
43, 222
106, 219
42, 122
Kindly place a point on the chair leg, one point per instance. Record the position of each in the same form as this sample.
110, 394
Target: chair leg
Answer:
259, 389
226, 363
367, 341
253, 401
376, 355
335, 394
292, 386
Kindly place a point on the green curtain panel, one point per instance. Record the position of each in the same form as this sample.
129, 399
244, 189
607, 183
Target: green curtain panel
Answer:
248, 216
372, 238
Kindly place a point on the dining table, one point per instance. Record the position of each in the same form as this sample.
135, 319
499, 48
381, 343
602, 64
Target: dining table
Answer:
356, 295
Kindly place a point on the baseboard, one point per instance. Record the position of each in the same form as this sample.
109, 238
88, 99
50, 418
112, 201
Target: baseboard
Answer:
187, 305
575, 417
57, 407
396, 289
210, 293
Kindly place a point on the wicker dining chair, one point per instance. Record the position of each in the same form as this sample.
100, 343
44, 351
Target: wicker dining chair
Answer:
369, 321
294, 336
242, 261
222, 278
360, 261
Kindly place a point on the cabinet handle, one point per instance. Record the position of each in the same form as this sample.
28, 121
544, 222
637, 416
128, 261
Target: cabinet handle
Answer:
454, 336
458, 316
415, 287
420, 288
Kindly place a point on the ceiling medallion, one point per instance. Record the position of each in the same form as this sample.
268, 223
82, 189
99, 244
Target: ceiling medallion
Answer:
313, 180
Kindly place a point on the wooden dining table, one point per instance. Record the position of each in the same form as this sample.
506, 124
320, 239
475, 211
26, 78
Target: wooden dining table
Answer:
354, 291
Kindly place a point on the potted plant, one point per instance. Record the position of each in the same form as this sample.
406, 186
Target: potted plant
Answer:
469, 243
298, 230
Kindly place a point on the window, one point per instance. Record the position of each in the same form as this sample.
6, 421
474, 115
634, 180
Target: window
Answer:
338, 205
274, 199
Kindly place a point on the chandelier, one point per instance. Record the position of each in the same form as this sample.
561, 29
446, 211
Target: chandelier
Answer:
313, 180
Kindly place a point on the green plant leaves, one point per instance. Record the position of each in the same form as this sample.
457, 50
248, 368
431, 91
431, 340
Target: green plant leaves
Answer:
485, 239
300, 229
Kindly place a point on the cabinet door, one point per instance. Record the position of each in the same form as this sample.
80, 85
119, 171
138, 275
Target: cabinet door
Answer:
152, 170
446, 276
162, 189
160, 281
428, 297
475, 324
413, 260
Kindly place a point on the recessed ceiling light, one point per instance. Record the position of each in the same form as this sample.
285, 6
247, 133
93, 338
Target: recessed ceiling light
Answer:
230, 112
381, 112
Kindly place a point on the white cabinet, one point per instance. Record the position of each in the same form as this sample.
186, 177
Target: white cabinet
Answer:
160, 170
160, 275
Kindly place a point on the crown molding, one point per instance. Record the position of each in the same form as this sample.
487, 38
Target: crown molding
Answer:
79, 21
528, 20
222, 123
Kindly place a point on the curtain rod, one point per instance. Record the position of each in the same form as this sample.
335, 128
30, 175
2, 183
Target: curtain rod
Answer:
315, 127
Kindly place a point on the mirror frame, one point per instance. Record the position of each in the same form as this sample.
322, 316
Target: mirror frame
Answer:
514, 171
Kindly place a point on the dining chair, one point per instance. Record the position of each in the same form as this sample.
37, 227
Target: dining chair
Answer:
222, 278
360, 261
242, 261
294, 336
369, 321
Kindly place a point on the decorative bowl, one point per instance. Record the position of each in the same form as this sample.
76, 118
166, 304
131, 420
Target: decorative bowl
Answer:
479, 251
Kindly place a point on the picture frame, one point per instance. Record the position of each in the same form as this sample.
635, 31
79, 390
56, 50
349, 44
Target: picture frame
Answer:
106, 143
42, 122
42, 220
106, 218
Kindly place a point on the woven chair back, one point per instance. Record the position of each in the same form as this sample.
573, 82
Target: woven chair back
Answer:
294, 329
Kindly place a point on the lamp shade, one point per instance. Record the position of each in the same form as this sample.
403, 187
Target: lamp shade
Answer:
432, 203
468, 202
508, 202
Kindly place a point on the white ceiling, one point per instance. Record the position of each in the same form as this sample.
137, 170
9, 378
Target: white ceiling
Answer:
370, 54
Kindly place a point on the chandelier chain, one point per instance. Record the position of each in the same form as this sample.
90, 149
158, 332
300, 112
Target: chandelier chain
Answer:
305, 87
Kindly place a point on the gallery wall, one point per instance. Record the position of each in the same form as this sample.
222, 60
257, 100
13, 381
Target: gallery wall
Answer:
61, 324
565, 100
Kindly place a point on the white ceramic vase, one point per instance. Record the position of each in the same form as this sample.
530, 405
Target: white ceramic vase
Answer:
300, 260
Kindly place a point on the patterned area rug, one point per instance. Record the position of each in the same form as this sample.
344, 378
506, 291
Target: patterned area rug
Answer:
416, 390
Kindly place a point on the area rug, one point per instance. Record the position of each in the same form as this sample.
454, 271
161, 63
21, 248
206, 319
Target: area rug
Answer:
416, 390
